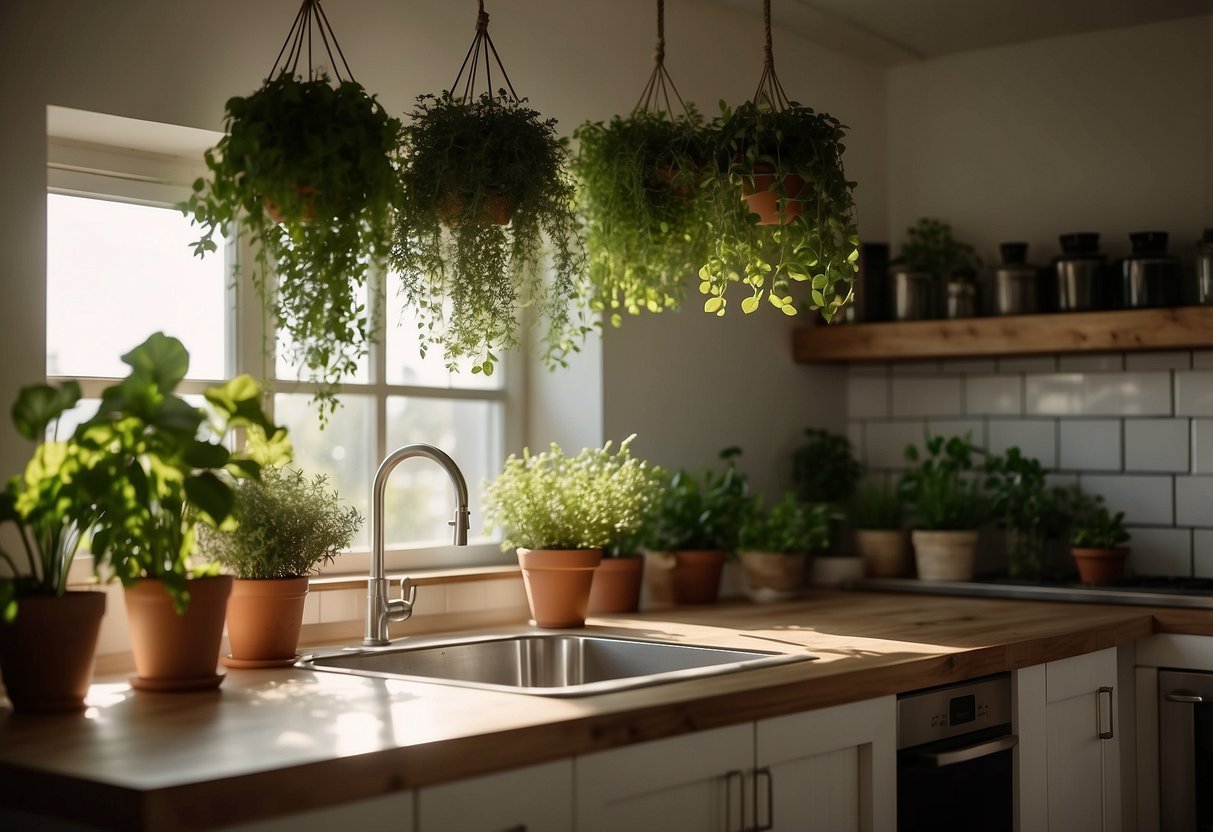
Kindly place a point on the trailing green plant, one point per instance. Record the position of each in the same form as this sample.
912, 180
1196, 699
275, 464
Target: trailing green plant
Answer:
153, 467
306, 170
647, 218
701, 512
943, 489
598, 499
818, 242
876, 506
287, 526
483, 184
824, 469
1091, 525
1022, 503
789, 527
930, 247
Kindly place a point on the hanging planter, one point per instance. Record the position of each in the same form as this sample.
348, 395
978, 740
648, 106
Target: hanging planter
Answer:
646, 217
784, 205
306, 171
484, 184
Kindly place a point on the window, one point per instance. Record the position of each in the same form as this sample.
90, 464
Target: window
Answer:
119, 267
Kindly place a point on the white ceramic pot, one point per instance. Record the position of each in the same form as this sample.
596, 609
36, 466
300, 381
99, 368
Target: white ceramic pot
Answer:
944, 555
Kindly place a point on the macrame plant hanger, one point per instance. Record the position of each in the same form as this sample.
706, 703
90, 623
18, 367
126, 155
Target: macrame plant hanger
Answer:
660, 84
311, 23
482, 53
769, 89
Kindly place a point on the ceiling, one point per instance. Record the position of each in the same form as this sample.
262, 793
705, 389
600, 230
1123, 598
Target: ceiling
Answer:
890, 32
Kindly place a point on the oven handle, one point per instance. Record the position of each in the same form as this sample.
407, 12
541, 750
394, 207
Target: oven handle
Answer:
939, 759
1184, 698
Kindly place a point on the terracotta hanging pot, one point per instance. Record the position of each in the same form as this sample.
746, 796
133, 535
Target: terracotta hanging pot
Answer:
772, 576
497, 209
307, 193
1100, 566
944, 555
558, 583
762, 195
177, 652
46, 654
885, 553
616, 586
264, 618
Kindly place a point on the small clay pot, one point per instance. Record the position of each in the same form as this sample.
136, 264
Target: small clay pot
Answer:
616, 586
773, 576
762, 196
177, 652
695, 578
557, 583
1100, 566
47, 652
264, 618
885, 553
944, 555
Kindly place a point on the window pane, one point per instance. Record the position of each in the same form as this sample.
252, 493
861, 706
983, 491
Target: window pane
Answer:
115, 274
419, 501
289, 370
342, 451
404, 362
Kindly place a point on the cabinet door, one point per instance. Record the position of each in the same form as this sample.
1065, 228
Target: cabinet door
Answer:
533, 799
390, 813
833, 769
1082, 745
685, 784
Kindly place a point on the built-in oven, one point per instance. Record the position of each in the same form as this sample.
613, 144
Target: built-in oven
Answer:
955, 758
1185, 750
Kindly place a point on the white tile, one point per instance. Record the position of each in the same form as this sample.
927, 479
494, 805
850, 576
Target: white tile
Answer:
1202, 552
342, 605
1161, 551
1194, 501
1061, 480
974, 428
993, 395
1099, 394
1089, 445
1028, 364
1085, 363
968, 365
1143, 499
1035, 438
1158, 360
926, 396
1202, 360
855, 437
1202, 446
915, 368
430, 600
885, 442
1194, 393
1157, 445
867, 397
479, 596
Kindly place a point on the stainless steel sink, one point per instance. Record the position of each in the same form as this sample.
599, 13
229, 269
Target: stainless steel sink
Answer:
548, 664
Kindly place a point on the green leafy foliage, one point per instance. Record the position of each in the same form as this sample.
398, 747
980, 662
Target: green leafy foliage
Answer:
942, 489
824, 468
468, 167
647, 219
307, 171
790, 527
817, 248
287, 526
876, 506
701, 512
930, 247
1092, 526
1023, 505
595, 500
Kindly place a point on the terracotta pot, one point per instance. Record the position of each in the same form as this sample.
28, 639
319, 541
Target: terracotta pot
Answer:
305, 192
616, 586
177, 652
886, 554
944, 555
263, 621
763, 196
772, 576
558, 583
1100, 566
664, 178
687, 576
46, 654
496, 210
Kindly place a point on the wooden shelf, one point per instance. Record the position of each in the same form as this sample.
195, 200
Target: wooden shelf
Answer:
1187, 327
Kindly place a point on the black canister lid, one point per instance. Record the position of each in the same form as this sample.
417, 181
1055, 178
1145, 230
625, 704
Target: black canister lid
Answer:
1013, 254
1148, 243
1080, 243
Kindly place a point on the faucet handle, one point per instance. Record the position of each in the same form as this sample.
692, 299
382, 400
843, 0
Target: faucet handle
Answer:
402, 607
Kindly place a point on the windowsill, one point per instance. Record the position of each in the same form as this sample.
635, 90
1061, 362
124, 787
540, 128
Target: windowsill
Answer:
419, 577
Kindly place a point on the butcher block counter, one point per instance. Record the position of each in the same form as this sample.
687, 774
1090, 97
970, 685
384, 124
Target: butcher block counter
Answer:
275, 741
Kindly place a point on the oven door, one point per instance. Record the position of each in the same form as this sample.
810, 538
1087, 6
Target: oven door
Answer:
1185, 750
959, 784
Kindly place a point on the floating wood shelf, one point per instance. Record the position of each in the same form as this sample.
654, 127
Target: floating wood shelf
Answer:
1188, 327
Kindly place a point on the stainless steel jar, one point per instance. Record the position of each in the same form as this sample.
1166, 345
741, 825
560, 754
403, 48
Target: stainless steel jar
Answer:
1149, 276
1016, 282
961, 299
1081, 274
913, 294
1204, 269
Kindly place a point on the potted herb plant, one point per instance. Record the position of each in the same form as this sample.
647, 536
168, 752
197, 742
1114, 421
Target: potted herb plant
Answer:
48, 635
645, 213
306, 171
619, 576
1024, 507
824, 468
948, 505
483, 184
877, 515
694, 527
152, 480
798, 220
287, 527
559, 513
1096, 537
774, 545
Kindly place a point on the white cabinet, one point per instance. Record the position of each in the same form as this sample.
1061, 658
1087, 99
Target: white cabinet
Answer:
1068, 760
389, 813
535, 799
831, 769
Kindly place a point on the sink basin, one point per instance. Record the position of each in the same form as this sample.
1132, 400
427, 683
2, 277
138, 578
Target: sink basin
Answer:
548, 664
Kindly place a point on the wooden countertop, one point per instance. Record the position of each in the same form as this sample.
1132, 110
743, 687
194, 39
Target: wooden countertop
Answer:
275, 741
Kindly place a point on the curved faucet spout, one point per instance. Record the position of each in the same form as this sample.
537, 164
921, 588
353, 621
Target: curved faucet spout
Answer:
379, 610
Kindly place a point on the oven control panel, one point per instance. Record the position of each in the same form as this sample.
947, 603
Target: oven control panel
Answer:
939, 713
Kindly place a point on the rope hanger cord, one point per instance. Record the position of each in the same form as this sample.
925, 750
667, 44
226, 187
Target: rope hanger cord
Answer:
660, 84
768, 84
481, 50
310, 19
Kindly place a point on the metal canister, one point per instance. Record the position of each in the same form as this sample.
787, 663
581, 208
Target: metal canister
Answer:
1016, 282
1081, 273
1204, 269
913, 294
1149, 276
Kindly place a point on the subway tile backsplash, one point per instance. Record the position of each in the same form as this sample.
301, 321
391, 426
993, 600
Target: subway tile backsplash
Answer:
1134, 427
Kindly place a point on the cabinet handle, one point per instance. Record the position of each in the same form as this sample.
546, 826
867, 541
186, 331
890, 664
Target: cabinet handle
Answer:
1184, 698
729, 778
1108, 734
951, 757
761, 774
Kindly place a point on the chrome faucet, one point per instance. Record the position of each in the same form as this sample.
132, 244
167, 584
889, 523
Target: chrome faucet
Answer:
379, 610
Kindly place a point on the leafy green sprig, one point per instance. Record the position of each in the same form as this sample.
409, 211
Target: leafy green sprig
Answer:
701, 512
790, 527
943, 489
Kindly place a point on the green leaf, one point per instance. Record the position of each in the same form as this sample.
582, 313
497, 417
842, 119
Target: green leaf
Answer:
210, 495
39, 405
160, 360
714, 305
750, 304
818, 298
